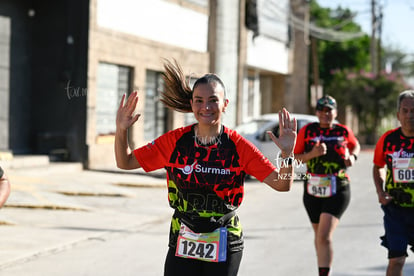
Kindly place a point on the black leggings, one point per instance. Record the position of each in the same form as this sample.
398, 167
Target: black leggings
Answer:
177, 266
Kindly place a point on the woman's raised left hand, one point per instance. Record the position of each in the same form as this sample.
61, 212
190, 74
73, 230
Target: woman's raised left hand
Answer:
287, 133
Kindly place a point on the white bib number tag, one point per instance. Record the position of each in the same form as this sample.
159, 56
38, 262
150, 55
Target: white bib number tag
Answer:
322, 185
211, 247
403, 170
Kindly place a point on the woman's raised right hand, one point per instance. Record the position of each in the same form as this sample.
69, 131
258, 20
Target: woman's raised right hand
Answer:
124, 116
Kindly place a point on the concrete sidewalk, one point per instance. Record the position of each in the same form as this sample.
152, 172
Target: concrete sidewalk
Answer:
49, 187
47, 201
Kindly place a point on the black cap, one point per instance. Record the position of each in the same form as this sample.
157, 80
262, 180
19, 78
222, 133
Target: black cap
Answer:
326, 101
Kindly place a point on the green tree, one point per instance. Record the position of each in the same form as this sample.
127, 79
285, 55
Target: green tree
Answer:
372, 97
344, 68
332, 55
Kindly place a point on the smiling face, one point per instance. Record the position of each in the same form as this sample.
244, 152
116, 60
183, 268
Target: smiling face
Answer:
326, 116
208, 103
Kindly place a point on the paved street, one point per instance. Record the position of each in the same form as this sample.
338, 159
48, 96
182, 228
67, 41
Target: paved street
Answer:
99, 223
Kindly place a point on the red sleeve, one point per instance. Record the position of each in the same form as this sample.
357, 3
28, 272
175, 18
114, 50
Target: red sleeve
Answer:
300, 141
253, 161
155, 155
379, 159
352, 140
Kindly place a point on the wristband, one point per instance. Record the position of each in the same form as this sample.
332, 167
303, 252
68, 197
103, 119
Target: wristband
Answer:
355, 156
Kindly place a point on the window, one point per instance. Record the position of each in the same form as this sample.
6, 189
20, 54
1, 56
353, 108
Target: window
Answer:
112, 82
251, 88
155, 114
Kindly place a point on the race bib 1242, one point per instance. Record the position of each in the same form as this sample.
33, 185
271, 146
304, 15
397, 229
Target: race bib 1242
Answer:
211, 247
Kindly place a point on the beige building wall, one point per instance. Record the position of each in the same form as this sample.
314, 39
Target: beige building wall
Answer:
266, 59
296, 98
272, 88
140, 54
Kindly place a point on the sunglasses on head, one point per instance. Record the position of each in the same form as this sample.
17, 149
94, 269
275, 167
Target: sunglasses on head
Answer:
326, 100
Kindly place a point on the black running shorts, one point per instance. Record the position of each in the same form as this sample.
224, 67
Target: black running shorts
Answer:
334, 205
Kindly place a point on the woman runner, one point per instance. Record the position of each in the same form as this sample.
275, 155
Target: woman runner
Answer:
206, 164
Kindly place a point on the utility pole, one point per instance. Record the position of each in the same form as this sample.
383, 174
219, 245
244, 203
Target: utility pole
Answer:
297, 82
373, 48
313, 42
315, 70
379, 52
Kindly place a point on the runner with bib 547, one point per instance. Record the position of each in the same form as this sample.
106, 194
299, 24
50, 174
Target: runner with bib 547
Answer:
328, 149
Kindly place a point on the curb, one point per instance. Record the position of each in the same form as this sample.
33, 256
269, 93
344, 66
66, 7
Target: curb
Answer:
45, 207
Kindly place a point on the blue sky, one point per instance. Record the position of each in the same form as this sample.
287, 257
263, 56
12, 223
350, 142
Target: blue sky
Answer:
398, 16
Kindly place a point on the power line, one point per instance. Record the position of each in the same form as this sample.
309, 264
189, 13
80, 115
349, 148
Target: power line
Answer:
274, 11
324, 33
